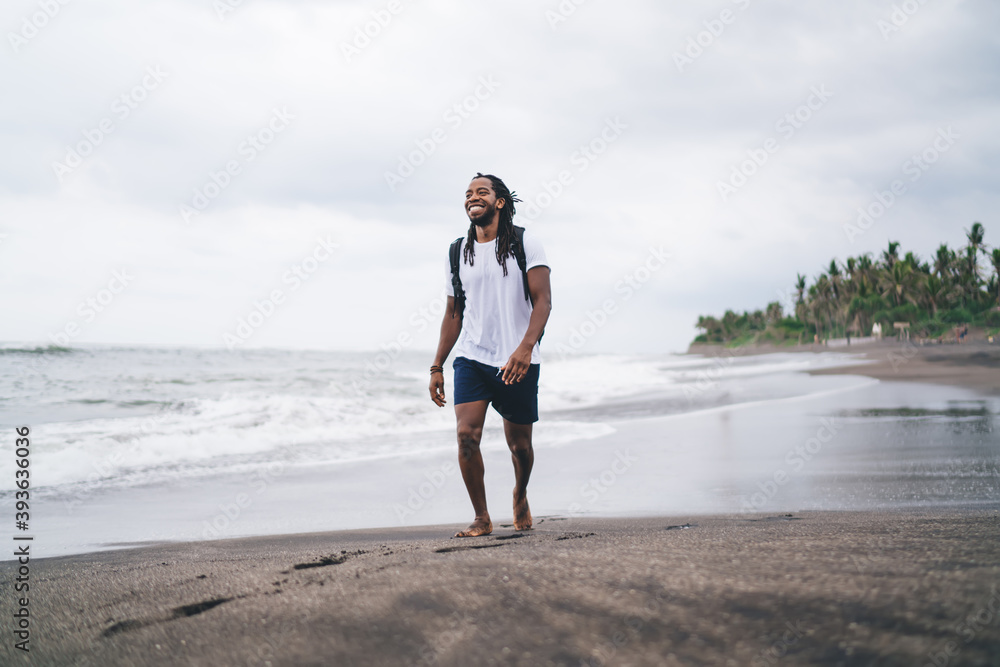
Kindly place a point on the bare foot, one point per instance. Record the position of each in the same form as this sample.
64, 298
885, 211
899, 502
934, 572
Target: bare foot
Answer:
522, 513
478, 527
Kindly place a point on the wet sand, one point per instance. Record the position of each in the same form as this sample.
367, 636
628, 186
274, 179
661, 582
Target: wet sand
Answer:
972, 365
850, 588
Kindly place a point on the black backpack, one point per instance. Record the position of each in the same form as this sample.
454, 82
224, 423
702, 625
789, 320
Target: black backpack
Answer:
517, 249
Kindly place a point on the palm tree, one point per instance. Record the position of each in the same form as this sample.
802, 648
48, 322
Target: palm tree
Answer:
774, 313
730, 326
836, 289
814, 311
849, 284
800, 287
866, 267
995, 261
944, 260
968, 280
851, 267
991, 287
933, 292
898, 283
912, 260
891, 255
821, 303
712, 328
834, 270
865, 303
975, 237
800, 304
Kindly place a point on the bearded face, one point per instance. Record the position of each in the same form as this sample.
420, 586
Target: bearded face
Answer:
481, 202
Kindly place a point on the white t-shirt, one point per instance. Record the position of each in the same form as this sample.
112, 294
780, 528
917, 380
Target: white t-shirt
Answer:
496, 312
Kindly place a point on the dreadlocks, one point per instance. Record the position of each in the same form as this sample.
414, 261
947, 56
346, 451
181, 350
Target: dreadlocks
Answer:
505, 231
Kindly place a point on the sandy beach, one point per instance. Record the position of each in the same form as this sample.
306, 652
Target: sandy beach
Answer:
853, 588
911, 580
975, 365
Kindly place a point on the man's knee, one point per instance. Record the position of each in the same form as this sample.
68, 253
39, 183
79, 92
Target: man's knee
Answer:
519, 442
469, 436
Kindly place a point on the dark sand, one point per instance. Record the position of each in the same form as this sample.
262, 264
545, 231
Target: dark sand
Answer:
906, 588
853, 588
972, 365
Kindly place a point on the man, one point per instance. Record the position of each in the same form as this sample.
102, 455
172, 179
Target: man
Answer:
497, 332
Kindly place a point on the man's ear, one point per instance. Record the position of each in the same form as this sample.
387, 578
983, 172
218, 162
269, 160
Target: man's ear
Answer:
500, 203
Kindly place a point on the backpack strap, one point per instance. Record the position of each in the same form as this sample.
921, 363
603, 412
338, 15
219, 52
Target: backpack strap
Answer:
522, 262
454, 255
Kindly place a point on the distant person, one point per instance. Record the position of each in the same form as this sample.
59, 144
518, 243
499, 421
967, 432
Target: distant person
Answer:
877, 331
497, 309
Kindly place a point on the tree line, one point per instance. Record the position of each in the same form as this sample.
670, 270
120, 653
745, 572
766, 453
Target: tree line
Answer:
954, 287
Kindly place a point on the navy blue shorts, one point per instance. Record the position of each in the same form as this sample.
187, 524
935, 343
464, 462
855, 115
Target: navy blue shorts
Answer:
517, 403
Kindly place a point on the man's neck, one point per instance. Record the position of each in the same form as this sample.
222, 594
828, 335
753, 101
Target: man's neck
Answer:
489, 232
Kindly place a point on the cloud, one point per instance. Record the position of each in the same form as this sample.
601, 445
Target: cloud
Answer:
355, 115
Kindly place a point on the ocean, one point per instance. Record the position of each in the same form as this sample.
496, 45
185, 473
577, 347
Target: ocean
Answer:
138, 444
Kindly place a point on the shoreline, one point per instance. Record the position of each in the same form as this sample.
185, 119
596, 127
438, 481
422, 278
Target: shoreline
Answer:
811, 588
702, 455
974, 365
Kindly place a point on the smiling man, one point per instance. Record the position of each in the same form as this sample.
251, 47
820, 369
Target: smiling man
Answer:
497, 309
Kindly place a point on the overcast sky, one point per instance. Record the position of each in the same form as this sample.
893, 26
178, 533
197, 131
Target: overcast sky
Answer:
740, 138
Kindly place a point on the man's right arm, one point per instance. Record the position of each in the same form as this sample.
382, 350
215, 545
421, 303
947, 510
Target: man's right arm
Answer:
451, 327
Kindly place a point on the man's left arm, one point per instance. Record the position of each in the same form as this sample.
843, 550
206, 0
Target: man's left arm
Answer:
541, 299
